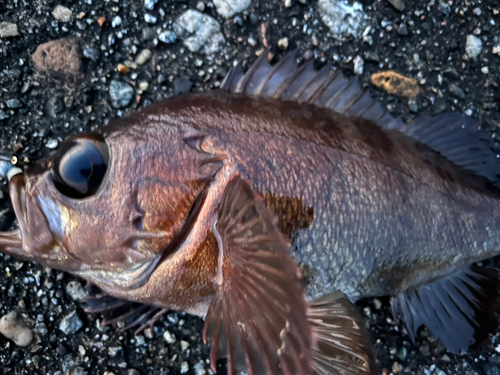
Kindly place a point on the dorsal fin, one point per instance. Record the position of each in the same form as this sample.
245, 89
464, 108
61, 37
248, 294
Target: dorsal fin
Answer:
304, 84
458, 138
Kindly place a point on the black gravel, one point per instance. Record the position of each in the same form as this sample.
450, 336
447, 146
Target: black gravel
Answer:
38, 110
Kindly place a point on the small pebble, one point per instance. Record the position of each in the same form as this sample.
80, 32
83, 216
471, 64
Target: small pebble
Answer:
149, 4
403, 29
288, 3
456, 91
121, 94
149, 18
91, 54
199, 368
101, 21
3, 115
413, 105
477, 11
169, 338
184, 345
117, 21
200, 6
13, 327
359, 65
123, 69
485, 70
14, 103
61, 13
76, 290
283, 43
52, 144
398, 4
144, 86
184, 367
182, 86
167, 36
473, 46
8, 30
228, 8
496, 50
143, 57
70, 324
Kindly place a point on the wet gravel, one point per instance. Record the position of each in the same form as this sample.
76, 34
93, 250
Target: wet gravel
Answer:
122, 55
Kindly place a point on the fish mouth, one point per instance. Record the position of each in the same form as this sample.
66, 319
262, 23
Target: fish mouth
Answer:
11, 242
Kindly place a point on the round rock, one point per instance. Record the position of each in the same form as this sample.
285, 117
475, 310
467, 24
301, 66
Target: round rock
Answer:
121, 94
14, 328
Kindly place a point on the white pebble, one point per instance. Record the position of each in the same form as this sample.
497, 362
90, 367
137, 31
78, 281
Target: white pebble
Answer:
473, 47
485, 70
15, 329
359, 65
117, 21
52, 144
61, 13
228, 8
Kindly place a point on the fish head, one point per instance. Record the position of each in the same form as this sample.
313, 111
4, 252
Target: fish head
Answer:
107, 206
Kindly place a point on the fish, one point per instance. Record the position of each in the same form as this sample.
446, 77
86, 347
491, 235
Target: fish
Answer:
269, 207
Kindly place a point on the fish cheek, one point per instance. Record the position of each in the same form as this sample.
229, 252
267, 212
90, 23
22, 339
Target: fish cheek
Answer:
165, 207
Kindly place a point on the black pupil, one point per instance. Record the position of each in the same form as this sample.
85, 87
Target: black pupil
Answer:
80, 166
78, 169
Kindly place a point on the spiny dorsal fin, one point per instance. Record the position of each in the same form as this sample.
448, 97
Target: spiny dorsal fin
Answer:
458, 138
304, 84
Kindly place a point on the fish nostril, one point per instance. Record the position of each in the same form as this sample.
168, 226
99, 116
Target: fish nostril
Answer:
138, 222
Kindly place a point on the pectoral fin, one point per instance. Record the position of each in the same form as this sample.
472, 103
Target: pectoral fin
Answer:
341, 343
257, 319
461, 310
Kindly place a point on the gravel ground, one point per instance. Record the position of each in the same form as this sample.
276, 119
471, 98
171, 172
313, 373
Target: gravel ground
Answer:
48, 92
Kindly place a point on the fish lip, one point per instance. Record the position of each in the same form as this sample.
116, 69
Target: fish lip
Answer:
17, 188
11, 242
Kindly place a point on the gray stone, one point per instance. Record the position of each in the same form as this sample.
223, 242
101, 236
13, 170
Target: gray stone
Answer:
3, 115
359, 65
167, 36
451, 73
70, 324
121, 94
14, 103
149, 4
403, 29
473, 46
456, 91
201, 32
61, 13
228, 8
76, 290
444, 8
148, 33
143, 57
92, 54
115, 351
398, 4
199, 368
8, 30
149, 18
52, 144
117, 21
343, 19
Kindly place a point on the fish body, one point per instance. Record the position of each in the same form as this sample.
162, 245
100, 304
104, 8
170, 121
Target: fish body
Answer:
367, 211
226, 203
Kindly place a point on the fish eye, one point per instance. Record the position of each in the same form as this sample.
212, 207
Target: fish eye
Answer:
79, 166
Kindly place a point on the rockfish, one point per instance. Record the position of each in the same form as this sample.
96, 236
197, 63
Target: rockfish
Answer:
268, 207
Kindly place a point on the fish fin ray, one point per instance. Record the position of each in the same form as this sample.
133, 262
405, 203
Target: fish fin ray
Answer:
342, 344
466, 302
461, 140
304, 84
114, 310
238, 331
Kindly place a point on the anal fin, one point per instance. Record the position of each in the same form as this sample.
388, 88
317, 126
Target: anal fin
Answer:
342, 345
461, 310
113, 310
